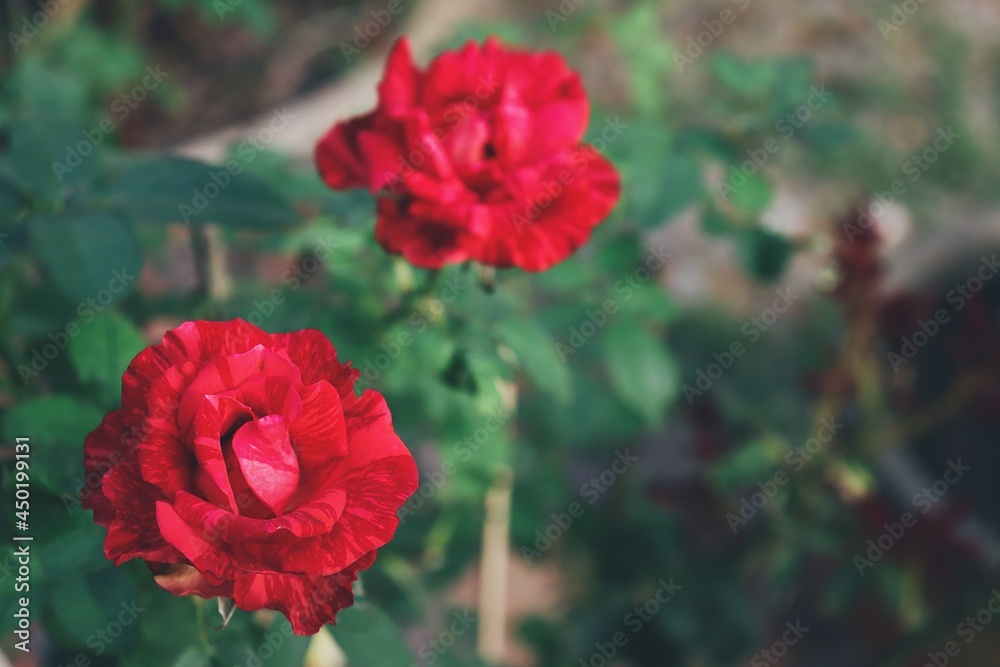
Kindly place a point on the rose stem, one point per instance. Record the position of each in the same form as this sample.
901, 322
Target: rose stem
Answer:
199, 612
210, 262
494, 566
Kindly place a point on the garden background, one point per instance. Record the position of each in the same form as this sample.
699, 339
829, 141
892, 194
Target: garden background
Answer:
753, 421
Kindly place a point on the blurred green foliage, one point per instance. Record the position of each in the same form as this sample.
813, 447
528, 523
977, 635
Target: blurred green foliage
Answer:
77, 206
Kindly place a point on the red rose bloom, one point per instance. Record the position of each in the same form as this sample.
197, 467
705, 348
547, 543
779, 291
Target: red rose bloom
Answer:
242, 464
478, 158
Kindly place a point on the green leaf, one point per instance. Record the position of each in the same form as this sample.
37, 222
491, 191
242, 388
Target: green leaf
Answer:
11, 202
98, 611
169, 632
680, 184
710, 142
102, 351
89, 255
291, 652
194, 656
173, 656
748, 77
49, 154
715, 223
842, 590
112, 64
258, 15
74, 543
172, 189
243, 641
57, 426
753, 460
458, 373
643, 373
663, 187
369, 637
831, 136
890, 583
750, 193
41, 87
763, 253
566, 276
593, 418
649, 57
649, 303
538, 358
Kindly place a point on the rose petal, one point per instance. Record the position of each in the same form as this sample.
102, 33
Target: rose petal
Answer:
163, 458
269, 396
241, 535
230, 372
314, 355
338, 156
267, 460
203, 341
133, 533
423, 242
216, 415
102, 450
558, 229
307, 601
374, 495
378, 475
398, 89
472, 70
216, 565
319, 434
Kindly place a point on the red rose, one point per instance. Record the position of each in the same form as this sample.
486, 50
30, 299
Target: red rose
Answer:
242, 464
478, 158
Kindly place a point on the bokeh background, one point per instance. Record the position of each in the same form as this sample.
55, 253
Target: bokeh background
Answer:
753, 422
